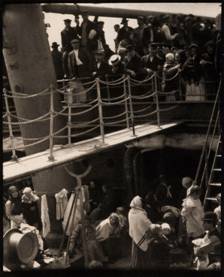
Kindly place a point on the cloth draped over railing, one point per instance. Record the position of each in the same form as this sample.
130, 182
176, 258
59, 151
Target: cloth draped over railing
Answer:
138, 101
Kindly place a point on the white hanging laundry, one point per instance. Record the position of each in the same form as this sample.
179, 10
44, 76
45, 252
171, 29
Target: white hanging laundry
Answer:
46, 227
69, 223
61, 203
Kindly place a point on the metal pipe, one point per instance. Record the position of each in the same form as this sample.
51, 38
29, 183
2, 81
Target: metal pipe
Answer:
14, 156
95, 10
51, 135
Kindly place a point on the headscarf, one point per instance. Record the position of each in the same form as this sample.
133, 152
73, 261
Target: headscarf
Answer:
104, 230
139, 224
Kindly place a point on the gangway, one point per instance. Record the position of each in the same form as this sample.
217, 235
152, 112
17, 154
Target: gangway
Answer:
62, 154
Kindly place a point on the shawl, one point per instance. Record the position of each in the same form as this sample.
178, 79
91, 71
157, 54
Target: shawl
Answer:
139, 223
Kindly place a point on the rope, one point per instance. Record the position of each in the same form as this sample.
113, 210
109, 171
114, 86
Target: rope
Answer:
113, 83
144, 115
144, 109
115, 116
82, 112
59, 131
115, 122
168, 93
114, 98
30, 145
168, 109
115, 103
79, 93
73, 125
86, 132
170, 79
142, 81
26, 96
143, 97
28, 121
25, 119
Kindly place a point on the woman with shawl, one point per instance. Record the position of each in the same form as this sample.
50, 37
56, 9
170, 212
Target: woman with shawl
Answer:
139, 228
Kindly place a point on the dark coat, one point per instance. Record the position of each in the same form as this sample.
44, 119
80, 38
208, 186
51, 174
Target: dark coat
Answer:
148, 36
79, 70
57, 61
103, 69
154, 63
91, 43
124, 33
67, 36
135, 64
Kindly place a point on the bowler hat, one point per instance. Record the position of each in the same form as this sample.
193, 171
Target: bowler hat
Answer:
54, 45
67, 20
19, 248
114, 59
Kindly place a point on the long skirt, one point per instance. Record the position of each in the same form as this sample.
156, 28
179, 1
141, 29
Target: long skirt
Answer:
139, 258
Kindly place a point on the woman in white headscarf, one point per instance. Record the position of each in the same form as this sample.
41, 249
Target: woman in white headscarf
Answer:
139, 228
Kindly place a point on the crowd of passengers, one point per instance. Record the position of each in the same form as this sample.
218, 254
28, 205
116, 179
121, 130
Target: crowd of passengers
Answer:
181, 49
153, 230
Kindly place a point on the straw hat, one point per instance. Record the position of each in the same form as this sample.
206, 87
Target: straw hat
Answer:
114, 59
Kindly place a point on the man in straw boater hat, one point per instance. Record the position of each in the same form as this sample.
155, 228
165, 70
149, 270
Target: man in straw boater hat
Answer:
117, 66
67, 35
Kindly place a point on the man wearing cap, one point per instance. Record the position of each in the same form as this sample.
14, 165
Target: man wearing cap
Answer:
152, 61
148, 33
124, 32
137, 35
67, 35
133, 63
57, 61
210, 244
100, 66
79, 62
88, 31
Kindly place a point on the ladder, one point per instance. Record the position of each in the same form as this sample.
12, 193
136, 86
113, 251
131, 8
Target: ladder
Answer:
208, 174
215, 179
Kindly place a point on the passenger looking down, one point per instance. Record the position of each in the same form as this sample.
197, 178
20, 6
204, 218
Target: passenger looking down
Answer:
194, 42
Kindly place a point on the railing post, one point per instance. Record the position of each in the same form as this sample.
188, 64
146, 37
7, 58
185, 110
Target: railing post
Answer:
100, 110
157, 102
69, 102
51, 132
14, 156
126, 104
131, 107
